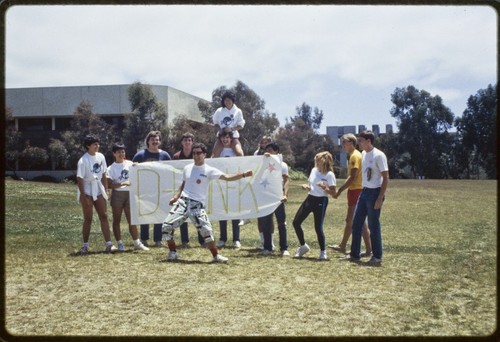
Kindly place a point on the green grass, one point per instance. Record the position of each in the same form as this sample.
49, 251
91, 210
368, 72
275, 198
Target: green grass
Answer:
438, 277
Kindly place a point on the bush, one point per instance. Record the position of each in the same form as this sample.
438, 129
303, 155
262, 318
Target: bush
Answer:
45, 178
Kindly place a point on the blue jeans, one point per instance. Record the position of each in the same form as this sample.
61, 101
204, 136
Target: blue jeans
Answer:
281, 220
223, 230
156, 232
185, 234
364, 208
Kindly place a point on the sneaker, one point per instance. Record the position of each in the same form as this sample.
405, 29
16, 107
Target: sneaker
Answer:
243, 222
348, 257
221, 244
265, 252
121, 247
261, 245
322, 255
140, 246
337, 248
159, 244
145, 243
172, 256
237, 244
365, 255
302, 250
285, 253
374, 261
219, 258
111, 249
84, 251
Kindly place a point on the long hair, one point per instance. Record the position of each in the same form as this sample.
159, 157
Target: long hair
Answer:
324, 161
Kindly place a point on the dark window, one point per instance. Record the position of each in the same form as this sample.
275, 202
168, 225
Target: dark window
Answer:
63, 124
35, 125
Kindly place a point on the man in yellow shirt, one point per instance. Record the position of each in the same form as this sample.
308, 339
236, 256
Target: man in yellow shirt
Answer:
354, 185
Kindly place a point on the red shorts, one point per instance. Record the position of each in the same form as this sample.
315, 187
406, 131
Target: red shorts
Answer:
352, 196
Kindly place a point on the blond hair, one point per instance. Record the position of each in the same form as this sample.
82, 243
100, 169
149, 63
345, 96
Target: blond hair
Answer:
324, 161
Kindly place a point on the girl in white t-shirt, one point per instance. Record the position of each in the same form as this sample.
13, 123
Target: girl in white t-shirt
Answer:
321, 182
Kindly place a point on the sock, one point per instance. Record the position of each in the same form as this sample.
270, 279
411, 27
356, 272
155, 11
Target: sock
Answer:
136, 242
214, 251
109, 243
86, 245
119, 242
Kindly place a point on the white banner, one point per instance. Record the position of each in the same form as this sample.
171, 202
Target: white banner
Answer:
152, 185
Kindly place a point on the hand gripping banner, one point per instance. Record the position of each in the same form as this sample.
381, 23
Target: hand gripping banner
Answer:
152, 185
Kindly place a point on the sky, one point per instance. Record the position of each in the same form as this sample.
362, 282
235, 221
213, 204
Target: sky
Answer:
345, 60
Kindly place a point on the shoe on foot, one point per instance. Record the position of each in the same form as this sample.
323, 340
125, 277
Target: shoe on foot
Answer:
285, 253
84, 251
172, 256
237, 244
121, 247
322, 255
348, 257
140, 247
266, 252
337, 248
365, 254
221, 244
145, 243
243, 222
374, 261
159, 244
302, 250
111, 249
219, 258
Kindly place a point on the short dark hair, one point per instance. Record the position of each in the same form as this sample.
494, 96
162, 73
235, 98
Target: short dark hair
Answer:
117, 146
187, 135
274, 146
227, 95
89, 140
226, 131
152, 134
368, 135
202, 146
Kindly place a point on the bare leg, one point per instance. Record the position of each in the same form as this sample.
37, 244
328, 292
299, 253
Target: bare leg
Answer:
217, 149
87, 217
236, 146
100, 206
117, 215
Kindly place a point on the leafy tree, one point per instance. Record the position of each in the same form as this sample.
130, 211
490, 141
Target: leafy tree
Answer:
202, 132
58, 153
303, 140
258, 120
13, 142
148, 114
33, 156
84, 122
423, 122
477, 132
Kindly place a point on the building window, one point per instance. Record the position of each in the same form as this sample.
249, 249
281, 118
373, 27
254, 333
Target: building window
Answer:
35, 125
63, 124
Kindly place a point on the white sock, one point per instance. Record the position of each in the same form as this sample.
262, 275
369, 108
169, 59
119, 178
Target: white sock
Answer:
137, 242
109, 243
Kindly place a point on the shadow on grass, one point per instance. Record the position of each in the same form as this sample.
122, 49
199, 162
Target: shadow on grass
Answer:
78, 254
405, 249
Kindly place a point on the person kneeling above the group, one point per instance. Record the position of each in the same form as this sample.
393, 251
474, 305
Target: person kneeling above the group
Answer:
190, 199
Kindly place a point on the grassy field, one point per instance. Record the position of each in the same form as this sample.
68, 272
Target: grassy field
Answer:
438, 276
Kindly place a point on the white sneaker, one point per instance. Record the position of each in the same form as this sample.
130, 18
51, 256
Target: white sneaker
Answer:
121, 247
243, 222
265, 252
219, 258
237, 244
285, 253
302, 250
221, 244
172, 256
322, 255
140, 246
111, 249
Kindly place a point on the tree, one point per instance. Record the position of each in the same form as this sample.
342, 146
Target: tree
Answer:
423, 122
477, 133
304, 141
202, 132
148, 114
13, 142
84, 122
258, 120
58, 153
33, 156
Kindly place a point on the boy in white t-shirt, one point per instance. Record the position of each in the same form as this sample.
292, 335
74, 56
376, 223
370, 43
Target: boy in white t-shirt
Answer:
189, 201
118, 182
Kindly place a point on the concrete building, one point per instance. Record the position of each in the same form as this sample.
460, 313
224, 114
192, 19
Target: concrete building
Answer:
42, 113
336, 132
